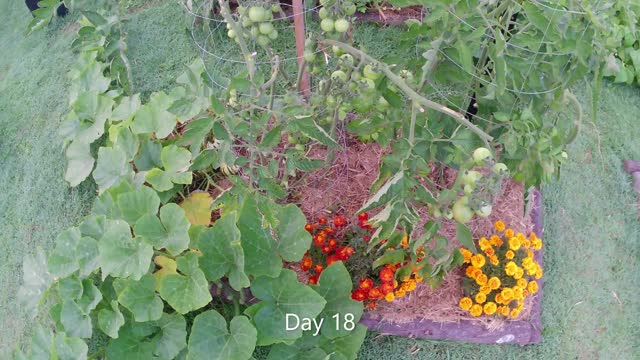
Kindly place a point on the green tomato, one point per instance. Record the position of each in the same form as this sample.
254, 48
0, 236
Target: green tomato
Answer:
231, 34
346, 60
337, 51
468, 189
407, 75
564, 155
348, 8
461, 211
484, 211
327, 25
437, 213
356, 76
255, 32
470, 177
257, 13
263, 40
275, 8
323, 13
383, 102
327, 2
500, 169
266, 28
309, 56
342, 25
480, 155
339, 75
369, 73
273, 35
292, 139
300, 147
241, 10
367, 85
229, 27
246, 22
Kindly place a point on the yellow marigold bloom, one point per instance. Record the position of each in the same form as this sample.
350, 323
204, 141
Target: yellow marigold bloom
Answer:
494, 283
466, 255
536, 244
400, 293
485, 289
482, 279
490, 308
509, 254
510, 268
527, 263
518, 294
522, 283
476, 310
389, 297
489, 252
532, 236
419, 279
499, 225
525, 293
520, 305
503, 310
508, 233
411, 285
515, 313
518, 274
478, 260
529, 254
465, 303
507, 294
532, 287
481, 298
494, 260
469, 271
484, 243
498, 298
495, 240
526, 243
405, 241
514, 243
476, 272
521, 237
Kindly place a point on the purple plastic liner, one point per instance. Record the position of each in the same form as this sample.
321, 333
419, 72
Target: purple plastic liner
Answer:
521, 332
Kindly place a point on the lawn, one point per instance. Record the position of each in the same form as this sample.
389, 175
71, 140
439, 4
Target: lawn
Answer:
591, 226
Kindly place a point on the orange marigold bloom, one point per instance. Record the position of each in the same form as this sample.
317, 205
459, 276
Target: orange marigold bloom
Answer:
498, 298
319, 240
318, 268
322, 220
481, 279
363, 216
522, 283
485, 289
489, 252
466, 255
514, 243
327, 249
331, 259
499, 225
494, 260
495, 240
478, 260
469, 271
465, 303
490, 308
405, 241
514, 313
366, 284
375, 294
308, 227
307, 263
532, 287
494, 283
339, 221
476, 272
509, 254
508, 233
476, 310
358, 295
387, 288
345, 252
333, 243
484, 243
313, 280
481, 298
387, 275
372, 305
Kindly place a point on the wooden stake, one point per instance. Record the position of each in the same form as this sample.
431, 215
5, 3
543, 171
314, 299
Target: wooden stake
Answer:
298, 22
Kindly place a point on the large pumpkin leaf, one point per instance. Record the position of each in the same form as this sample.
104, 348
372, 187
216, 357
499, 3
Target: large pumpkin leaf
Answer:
294, 240
62, 261
111, 169
76, 322
284, 295
153, 117
335, 287
261, 257
121, 255
176, 162
110, 320
211, 339
140, 297
133, 342
345, 347
222, 252
91, 111
171, 337
170, 231
36, 279
188, 290
87, 255
198, 208
46, 346
134, 205
79, 162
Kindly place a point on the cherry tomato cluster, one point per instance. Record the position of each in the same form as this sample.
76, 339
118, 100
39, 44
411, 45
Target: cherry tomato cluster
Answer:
326, 240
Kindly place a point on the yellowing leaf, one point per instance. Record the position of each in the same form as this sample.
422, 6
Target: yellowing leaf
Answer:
197, 208
167, 266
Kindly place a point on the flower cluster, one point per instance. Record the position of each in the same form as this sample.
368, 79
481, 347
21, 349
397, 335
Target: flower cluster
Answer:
387, 287
502, 275
325, 239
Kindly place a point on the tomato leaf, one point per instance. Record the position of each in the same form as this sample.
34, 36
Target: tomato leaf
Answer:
463, 235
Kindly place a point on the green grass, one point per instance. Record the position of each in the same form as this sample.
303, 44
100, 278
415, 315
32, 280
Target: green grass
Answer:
591, 254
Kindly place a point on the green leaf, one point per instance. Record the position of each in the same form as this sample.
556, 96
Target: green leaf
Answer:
335, 287
140, 297
87, 255
210, 338
111, 320
46, 346
127, 108
170, 231
153, 117
346, 346
62, 261
197, 207
293, 239
261, 257
176, 162
36, 279
70, 348
91, 296
132, 343
123, 139
389, 257
172, 337
388, 191
311, 129
111, 169
463, 235
149, 156
284, 295
76, 322
121, 255
79, 163
134, 205
189, 290
92, 111
70, 288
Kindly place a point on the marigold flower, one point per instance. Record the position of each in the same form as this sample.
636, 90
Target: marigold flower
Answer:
339, 221
526, 244
514, 313
389, 297
333, 243
484, 243
532, 287
375, 294
410, 285
499, 225
494, 283
371, 305
400, 293
517, 293
508, 233
332, 259
469, 271
518, 274
318, 269
476, 310
466, 255
498, 298
509, 255
481, 298
538, 273
387, 275
503, 310
359, 295
307, 263
329, 231
489, 252
363, 216
419, 279
495, 240
319, 240
386, 288
494, 260
481, 279
366, 284
363, 225
478, 260
405, 241
465, 303
322, 220
327, 249
536, 244
514, 243
313, 280
507, 294
490, 308
476, 272
308, 227
529, 254
485, 289
510, 268
522, 283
